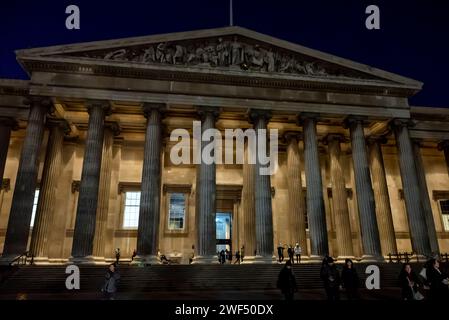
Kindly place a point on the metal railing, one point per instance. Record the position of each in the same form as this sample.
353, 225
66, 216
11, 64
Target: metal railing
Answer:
23, 259
401, 257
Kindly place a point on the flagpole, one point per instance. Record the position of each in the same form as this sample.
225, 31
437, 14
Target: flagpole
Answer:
231, 18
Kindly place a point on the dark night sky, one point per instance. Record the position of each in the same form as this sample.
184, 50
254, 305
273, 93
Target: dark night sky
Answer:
413, 40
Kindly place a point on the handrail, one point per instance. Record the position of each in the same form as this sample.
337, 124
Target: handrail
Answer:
23, 258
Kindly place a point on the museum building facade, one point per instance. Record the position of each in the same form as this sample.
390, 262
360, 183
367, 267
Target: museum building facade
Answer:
86, 153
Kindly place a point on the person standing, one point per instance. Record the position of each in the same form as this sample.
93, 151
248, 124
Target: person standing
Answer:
298, 252
112, 279
280, 252
331, 279
117, 256
409, 282
242, 253
350, 280
438, 281
290, 253
287, 282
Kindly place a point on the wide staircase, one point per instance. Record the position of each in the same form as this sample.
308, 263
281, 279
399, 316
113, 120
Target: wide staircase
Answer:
175, 278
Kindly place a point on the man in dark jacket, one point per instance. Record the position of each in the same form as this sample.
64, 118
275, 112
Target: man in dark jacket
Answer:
280, 252
438, 281
287, 282
331, 279
111, 281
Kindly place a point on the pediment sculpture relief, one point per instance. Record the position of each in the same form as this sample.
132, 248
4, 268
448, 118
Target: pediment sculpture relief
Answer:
230, 53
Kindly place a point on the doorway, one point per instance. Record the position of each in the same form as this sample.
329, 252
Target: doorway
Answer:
223, 221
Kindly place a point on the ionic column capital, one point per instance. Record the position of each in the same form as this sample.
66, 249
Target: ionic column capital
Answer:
148, 107
377, 139
205, 111
401, 123
352, 121
41, 101
114, 126
334, 137
61, 123
288, 136
105, 105
307, 116
256, 114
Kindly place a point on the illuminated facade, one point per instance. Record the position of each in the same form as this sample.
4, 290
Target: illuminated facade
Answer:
360, 173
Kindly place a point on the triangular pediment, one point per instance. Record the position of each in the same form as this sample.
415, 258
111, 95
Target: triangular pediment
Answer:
230, 50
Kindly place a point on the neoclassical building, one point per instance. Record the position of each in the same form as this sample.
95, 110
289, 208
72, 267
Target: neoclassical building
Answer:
85, 153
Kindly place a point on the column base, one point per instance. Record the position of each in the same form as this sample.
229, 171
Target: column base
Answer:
343, 258
372, 258
89, 260
205, 260
315, 259
41, 261
145, 260
248, 260
264, 260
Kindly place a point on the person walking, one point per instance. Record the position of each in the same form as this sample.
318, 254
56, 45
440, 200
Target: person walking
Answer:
287, 282
437, 280
112, 279
280, 252
298, 252
409, 283
230, 256
350, 280
290, 253
242, 253
237, 257
331, 279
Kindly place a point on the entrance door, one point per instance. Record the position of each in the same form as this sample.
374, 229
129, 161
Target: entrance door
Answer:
223, 221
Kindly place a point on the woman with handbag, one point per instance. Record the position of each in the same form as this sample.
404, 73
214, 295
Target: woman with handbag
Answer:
409, 283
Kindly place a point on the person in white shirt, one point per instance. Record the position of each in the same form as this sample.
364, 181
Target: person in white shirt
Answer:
298, 252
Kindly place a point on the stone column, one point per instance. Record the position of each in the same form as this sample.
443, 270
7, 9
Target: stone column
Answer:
18, 229
248, 221
296, 199
381, 197
315, 203
339, 197
410, 184
111, 130
425, 200
84, 232
150, 197
6, 125
444, 146
364, 190
43, 221
262, 192
206, 198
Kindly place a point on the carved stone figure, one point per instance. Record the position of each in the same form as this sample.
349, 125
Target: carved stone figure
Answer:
116, 55
160, 52
179, 53
149, 55
222, 52
237, 53
269, 60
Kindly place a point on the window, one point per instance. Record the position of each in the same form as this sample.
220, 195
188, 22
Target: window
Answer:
176, 211
131, 212
33, 214
444, 205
